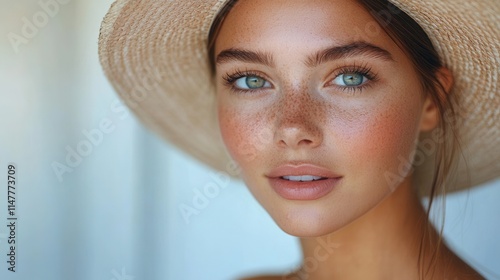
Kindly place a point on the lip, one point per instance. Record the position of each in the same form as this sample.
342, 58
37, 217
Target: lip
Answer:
295, 190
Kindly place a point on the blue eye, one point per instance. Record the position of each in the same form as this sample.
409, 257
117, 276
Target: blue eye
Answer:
350, 79
251, 82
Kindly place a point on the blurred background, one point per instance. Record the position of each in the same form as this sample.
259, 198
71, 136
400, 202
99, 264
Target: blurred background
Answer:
100, 198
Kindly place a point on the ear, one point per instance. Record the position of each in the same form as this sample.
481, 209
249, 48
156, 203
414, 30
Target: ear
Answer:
430, 112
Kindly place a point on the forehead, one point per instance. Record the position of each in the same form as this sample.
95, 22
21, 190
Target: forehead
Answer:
294, 24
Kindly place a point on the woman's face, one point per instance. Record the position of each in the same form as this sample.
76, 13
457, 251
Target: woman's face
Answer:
317, 91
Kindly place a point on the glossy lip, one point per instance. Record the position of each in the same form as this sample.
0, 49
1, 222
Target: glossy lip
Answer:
293, 190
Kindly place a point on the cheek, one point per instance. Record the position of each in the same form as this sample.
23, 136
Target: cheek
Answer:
232, 132
380, 139
243, 136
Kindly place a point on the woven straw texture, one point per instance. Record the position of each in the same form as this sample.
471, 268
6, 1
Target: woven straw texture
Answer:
154, 54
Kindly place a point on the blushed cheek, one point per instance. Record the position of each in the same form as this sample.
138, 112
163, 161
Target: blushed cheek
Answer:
380, 141
240, 135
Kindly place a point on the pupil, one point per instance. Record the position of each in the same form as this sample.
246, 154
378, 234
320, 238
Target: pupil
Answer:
353, 79
255, 82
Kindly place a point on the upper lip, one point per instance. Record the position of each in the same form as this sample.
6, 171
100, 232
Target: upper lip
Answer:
301, 169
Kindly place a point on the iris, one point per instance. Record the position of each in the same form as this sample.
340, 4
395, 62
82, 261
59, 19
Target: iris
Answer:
253, 82
352, 79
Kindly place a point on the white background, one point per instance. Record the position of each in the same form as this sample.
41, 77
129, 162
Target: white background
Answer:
116, 215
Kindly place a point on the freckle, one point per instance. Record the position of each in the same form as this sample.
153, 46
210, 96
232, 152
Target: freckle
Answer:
307, 107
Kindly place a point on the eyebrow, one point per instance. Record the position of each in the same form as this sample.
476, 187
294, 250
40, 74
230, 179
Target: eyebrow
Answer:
245, 56
349, 50
333, 53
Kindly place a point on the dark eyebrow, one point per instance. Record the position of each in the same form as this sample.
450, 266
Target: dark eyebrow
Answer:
337, 52
246, 56
349, 50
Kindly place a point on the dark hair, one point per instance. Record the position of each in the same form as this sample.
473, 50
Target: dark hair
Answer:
214, 32
413, 40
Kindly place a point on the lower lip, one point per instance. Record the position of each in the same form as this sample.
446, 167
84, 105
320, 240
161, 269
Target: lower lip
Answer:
312, 190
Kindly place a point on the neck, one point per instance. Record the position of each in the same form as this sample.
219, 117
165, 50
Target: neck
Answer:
382, 244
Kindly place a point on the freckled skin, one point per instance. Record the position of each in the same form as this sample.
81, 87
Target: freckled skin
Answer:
358, 135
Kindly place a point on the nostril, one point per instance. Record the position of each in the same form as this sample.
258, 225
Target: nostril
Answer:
305, 141
295, 135
295, 143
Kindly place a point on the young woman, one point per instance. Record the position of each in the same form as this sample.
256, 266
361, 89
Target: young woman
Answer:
337, 114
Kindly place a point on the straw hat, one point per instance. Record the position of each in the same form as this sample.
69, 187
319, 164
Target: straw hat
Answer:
155, 55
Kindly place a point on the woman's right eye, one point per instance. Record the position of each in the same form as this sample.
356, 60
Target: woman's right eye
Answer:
251, 82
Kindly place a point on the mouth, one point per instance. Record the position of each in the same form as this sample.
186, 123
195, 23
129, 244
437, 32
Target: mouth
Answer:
303, 178
302, 182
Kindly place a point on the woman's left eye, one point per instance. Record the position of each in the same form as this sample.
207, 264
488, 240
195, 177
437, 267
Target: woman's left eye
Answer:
251, 82
350, 79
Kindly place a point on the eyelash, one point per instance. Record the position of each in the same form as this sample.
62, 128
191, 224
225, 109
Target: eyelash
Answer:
230, 79
365, 70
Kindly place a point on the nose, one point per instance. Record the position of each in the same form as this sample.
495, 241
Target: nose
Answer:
298, 123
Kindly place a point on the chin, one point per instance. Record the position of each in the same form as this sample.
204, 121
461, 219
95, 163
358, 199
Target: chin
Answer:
308, 222
306, 232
